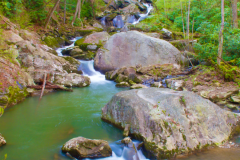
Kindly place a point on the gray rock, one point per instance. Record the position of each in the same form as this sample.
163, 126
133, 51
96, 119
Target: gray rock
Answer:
81, 147
92, 47
157, 84
97, 25
167, 33
75, 51
235, 98
122, 84
170, 122
175, 84
132, 48
2, 141
126, 140
97, 38
72, 80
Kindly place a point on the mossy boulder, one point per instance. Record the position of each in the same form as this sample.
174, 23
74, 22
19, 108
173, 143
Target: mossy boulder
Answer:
76, 51
3, 100
81, 148
84, 46
122, 84
121, 78
51, 42
235, 98
72, 60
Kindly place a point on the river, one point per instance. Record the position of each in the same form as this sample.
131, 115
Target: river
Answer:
37, 129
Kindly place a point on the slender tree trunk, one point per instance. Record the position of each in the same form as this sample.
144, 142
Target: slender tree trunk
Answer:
220, 46
51, 13
92, 2
234, 13
192, 29
79, 10
188, 17
182, 21
75, 15
65, 4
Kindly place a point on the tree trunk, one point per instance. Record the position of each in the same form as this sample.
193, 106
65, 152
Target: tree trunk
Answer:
51, 13
75, 15
92, 2
79, 10
220, 46
65, 3
188, 17
234, 13
182, 21
192, 29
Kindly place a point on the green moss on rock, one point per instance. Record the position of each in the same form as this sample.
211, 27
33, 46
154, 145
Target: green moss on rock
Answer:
51, 42
72, 60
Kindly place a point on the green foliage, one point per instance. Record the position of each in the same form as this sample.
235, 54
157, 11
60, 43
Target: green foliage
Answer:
24, 12
207, 18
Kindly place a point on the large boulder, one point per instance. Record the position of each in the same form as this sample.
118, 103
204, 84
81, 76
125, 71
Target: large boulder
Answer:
132, 48
170, 122
81, 147
2, 140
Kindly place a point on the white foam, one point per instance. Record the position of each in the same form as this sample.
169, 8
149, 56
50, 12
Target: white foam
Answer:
88, 70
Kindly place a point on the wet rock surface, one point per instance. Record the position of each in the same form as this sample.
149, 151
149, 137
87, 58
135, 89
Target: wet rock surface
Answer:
170, 122
81, 147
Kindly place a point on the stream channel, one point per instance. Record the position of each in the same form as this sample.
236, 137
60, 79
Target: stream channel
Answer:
37, 130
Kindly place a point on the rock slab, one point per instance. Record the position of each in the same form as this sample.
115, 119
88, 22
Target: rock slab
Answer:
170, 122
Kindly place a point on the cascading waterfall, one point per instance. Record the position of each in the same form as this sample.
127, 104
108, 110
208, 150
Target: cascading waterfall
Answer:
120, 152
118, 22
143, 16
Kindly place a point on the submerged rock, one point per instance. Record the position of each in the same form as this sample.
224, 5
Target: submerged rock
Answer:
2, 141
132, 48
170, 122
81, 147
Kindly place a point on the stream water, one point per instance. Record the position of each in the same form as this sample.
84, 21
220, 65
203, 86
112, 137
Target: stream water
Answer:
37, 129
